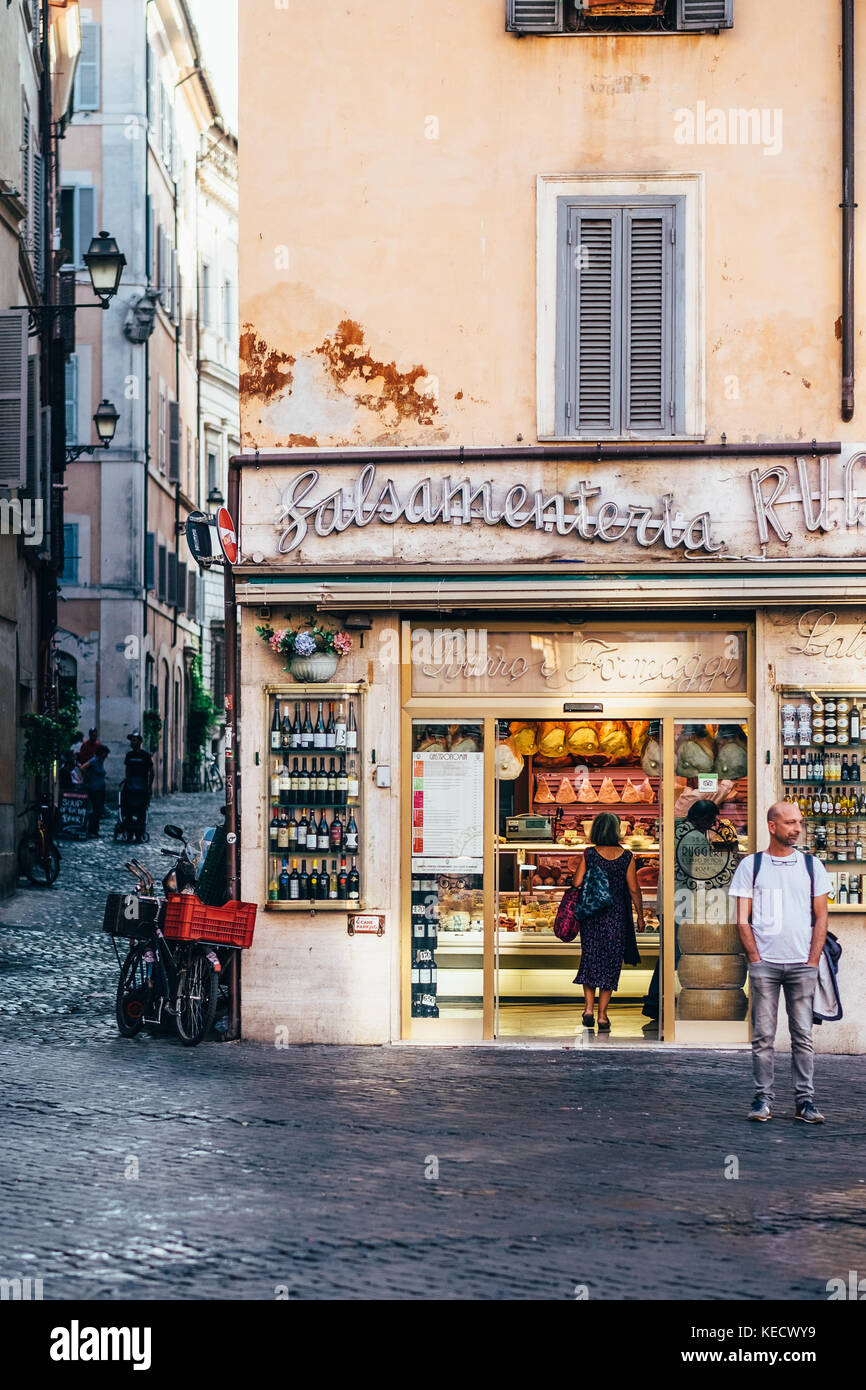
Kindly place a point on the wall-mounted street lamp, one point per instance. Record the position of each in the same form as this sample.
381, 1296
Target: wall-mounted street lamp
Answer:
105, 262
105, 420
215, 498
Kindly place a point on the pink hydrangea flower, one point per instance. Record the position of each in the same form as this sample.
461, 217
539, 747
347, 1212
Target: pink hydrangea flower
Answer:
342, 643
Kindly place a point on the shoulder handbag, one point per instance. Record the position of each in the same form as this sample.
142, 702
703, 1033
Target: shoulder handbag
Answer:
567, 923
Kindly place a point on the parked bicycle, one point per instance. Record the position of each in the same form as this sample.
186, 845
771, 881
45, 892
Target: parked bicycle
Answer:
173, 972
38, 855
213, 778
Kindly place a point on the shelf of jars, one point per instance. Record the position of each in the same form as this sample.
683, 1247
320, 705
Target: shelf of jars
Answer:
315, 810
822, 760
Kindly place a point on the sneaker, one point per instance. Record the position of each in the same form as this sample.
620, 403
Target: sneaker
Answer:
809, 1113
761, 1110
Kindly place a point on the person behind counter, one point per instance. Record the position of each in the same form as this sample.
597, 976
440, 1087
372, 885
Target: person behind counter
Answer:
608, 938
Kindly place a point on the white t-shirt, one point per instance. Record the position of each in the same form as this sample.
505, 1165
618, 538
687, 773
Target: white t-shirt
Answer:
781, 904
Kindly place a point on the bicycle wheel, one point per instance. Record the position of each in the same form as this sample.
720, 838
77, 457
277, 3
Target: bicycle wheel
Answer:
41, 868
132, 993
197, 993
218, 779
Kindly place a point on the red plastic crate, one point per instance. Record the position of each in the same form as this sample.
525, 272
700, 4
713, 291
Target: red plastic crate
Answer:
187, 918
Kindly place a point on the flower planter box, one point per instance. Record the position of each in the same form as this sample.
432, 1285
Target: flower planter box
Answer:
624, 7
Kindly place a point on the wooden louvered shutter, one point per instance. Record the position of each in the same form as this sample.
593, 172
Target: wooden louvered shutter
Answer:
192, 594
38, 217
71, 400
85, 222
590, 346
648, 401
534, 16
174, 432
705, 14
87, 72
149, 560
13, 398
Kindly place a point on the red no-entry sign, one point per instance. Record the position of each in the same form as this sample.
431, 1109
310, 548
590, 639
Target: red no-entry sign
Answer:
228, 536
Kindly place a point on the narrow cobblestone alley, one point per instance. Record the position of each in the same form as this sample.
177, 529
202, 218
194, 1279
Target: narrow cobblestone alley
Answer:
140, 1169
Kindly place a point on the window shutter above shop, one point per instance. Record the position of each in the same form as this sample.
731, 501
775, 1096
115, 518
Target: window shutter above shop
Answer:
13, 398
160, 572
38, 216
705, 14
192, 594
71, 400
171, 584
181, 586
34, 427
619, 348
647, 321
534, 16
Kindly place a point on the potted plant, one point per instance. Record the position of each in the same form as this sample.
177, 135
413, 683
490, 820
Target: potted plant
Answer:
313, 652
623, 7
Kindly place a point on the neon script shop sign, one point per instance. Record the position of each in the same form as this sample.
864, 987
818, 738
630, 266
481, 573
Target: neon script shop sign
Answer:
432, 501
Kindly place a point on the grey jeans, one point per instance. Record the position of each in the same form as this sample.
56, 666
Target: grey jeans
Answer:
766, 980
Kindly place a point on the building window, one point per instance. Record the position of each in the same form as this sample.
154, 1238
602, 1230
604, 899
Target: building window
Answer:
69, 573
619, 331
212, 468
206, 307
86, 96
597, 17
77, 221
161, 567
149, 560
229, 328
71, 399
161, 427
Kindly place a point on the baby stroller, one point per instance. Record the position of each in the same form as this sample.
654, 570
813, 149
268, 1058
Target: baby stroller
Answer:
132, 804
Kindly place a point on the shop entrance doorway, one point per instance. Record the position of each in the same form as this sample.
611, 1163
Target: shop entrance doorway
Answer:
563, 787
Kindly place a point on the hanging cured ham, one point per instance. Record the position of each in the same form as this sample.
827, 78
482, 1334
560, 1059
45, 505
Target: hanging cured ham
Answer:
630, 793
566, 796
607, 792
543, 794
645, 792
586, 793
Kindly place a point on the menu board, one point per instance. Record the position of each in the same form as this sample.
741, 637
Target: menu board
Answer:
75, 812
448, 812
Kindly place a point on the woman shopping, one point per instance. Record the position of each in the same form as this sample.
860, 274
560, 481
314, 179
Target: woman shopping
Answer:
608, 937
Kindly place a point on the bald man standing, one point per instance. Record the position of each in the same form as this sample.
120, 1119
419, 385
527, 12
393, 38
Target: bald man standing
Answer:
782, 921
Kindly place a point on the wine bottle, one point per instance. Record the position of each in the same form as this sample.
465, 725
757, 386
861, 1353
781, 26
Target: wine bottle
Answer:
285, 785
296, 726
352, 785
286, 729
295, 776
275, 783
302, 831
285, 883
273, 886
336, 832
351, 835
307, 729
340, 728
342, 882
322, 783
332, 890
330, 729
304, 781
324, 882
314, 880
342, 783
332, 784
854, 725
274, 829
293, 832
354, 883
324, 836
283, 832
275, 729
319, 735
304, 881
786, 766
294, 880
351, 727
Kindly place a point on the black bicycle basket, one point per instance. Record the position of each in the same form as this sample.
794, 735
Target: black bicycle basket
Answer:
126, 914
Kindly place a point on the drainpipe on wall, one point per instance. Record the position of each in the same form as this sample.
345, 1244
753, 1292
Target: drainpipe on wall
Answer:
848, 206
231, 753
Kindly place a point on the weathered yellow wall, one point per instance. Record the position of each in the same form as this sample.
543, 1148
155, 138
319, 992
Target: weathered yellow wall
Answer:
388, 278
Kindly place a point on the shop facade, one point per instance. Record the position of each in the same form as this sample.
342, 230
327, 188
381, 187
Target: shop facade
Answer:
525, 655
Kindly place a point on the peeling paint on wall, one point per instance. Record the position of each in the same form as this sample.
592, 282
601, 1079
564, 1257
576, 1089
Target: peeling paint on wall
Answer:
379, 386
263, 371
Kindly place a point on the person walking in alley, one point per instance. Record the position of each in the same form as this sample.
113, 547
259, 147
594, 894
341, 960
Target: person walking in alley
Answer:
782, 920
94, 784
88, 747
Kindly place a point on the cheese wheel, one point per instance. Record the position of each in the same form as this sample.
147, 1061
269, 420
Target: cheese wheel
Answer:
565, 796
630, 792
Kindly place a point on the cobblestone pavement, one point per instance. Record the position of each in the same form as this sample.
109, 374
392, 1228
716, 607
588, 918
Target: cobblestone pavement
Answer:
140, 1169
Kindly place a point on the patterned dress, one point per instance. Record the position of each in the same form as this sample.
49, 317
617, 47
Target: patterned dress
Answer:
603, 937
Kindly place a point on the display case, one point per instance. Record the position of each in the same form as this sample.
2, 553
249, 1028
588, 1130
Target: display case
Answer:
822, 768
315, 808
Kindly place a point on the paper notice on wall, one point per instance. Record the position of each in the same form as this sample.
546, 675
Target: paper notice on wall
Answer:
448, 812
